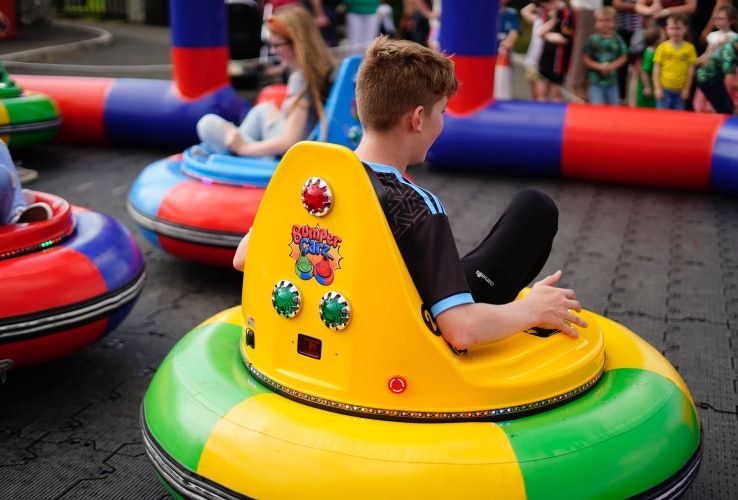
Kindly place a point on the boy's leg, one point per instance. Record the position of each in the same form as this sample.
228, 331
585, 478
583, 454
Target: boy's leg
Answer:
595, 94
676, 100
612, 95
514, 251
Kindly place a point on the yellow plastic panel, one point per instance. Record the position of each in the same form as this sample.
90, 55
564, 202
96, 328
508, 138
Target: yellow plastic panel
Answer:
389, 335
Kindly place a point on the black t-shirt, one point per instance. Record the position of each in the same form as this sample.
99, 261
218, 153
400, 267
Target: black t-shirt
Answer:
423, 234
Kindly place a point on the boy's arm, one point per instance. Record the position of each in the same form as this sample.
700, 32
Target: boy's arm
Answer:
239, 259
509, 41
591, 63
545, 306
619, 62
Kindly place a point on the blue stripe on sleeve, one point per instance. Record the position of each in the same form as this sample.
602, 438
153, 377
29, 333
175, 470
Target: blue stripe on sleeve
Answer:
452, 301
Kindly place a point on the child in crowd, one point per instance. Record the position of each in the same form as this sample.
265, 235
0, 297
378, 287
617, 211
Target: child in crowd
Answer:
726, 18
644, 85
508, 27
717, 75
533, 14
673, 68
385, 13
604, 53
557, 31
508, 31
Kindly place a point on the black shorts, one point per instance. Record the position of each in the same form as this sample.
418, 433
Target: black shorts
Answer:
551, 76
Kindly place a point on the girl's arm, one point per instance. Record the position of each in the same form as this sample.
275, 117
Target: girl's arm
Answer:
545, 31
529, 13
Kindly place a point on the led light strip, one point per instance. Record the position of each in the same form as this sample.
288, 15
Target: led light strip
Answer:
210, 181
40, 246
494, 414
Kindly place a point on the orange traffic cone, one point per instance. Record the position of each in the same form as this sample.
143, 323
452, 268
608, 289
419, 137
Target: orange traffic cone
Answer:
503, 77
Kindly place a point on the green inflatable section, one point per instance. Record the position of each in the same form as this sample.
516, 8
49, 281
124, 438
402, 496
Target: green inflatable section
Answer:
635, 430
36, 118
199, 381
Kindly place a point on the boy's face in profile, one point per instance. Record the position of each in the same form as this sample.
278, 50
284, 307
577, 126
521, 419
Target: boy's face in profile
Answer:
605, 25
431, 127
675, 30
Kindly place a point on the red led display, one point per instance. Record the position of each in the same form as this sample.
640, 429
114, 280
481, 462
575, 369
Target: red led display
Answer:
309, 346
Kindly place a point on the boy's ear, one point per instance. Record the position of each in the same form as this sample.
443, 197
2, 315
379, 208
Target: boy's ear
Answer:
417, 117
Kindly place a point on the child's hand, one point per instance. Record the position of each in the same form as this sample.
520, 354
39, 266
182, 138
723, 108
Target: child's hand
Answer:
647, 91
685, 94
658, 94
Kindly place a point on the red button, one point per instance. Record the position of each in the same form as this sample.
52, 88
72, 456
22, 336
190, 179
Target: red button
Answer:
397, 384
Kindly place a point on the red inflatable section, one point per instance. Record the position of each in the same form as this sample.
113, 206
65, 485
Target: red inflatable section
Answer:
51, 347
599, 144
219, 208
275, 92
477, 74
81, 103
221, 257
199, 71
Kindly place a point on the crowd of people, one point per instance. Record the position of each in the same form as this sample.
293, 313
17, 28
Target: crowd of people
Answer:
665, 54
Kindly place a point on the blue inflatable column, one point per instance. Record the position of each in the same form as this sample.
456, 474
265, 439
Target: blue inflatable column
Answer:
200, 52
469, 36
166, 112
724, 168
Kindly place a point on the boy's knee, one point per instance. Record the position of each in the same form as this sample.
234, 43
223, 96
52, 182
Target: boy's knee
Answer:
537, 202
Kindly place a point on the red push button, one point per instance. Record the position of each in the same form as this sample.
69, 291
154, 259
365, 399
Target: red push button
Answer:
397, 384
